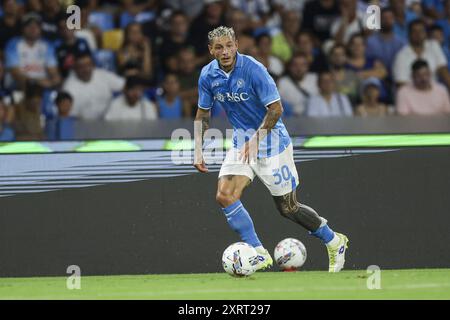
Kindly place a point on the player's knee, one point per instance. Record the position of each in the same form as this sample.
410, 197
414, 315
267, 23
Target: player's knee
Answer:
226, 198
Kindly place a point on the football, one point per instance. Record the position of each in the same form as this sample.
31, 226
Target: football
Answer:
290, 254
240, 259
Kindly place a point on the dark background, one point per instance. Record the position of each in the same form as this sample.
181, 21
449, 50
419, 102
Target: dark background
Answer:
393, 206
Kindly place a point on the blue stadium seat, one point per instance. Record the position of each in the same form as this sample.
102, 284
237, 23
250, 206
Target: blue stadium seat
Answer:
103, 20
142, 17
105, 59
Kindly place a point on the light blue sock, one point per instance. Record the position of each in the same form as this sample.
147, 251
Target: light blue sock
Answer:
240, 221
324, 233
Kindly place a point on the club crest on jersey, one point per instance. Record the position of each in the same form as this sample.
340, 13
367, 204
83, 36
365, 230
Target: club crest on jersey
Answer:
240, 83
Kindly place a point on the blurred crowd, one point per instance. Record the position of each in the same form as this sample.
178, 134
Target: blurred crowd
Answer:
140, 59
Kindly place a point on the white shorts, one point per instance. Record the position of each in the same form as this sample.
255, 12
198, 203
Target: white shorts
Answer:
278, 173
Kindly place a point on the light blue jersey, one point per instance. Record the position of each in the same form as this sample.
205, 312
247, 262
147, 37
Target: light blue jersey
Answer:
244, 94
33, 60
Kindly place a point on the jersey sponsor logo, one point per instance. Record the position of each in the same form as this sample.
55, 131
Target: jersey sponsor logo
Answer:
232, 96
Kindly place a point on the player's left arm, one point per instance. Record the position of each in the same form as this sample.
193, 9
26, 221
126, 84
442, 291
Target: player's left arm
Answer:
274, 112
265, 88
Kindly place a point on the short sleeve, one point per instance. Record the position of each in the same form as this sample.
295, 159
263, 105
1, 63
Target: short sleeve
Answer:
264, 86
401, 68
205, 97
441, 60
116, 83
11, 54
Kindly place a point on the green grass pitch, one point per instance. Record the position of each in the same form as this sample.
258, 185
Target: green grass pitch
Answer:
395, 284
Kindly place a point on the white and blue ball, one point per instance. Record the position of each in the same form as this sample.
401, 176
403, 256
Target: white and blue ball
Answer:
290, 254
240, 259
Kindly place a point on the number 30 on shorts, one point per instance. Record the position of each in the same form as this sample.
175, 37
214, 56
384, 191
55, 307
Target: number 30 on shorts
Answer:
282, 174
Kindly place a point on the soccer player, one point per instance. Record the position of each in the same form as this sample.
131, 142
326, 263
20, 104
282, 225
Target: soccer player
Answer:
261, 145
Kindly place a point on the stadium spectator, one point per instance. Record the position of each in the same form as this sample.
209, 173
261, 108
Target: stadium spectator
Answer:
61, 127
91, 88
192, 8
33, 6
298, 85
384, 45
239, 22
172, 41
350, 22
134, 7
279, 6
437, 33
423, 96
283, 42
328, 103
132, 104
272, 63
6, 129
52, 14
360, 62
445, 23
318, 16
9, 22
212, 16
188, 75
86, 31
170, 104
305, 45
135, 56
371, 106
30, 58
403, 17
433, 9
5, 92
257, 11
28, 117
347, 81
415, 6
67, 48
420, 47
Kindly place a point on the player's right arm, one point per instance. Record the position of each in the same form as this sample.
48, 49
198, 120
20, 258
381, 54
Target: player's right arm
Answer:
201, 123
200, 126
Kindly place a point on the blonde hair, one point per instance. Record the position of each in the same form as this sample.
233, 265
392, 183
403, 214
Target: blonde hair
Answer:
221, 32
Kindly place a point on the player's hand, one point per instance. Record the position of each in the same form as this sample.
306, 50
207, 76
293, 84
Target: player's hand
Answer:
201, 167
249, 151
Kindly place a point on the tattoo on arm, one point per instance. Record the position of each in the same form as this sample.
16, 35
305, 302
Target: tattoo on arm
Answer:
270, 120
205, 126
201, 124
